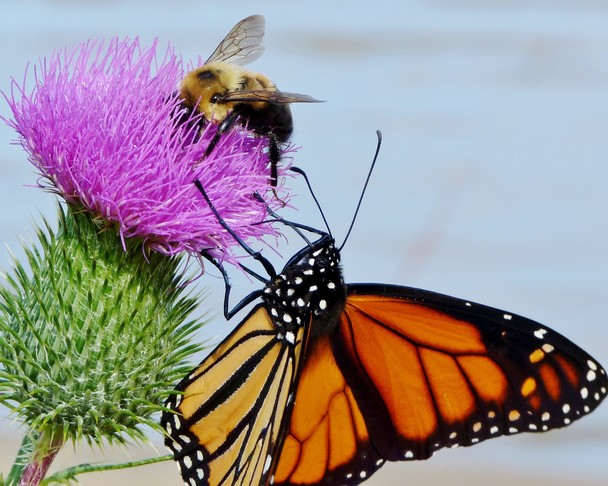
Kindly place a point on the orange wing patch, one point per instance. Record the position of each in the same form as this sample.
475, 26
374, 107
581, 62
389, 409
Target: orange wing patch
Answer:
439, 367
423, 325
327, 431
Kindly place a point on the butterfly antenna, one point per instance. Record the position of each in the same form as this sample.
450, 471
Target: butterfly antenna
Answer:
297, 170
255, 254
296, 227
369, 175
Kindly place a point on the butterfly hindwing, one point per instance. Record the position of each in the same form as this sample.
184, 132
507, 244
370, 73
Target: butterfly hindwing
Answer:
226, 425
327, 433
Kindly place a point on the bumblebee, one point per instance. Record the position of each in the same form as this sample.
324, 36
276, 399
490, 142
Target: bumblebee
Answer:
226, 93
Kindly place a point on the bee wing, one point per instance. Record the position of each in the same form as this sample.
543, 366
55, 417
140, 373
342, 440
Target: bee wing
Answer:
243, 44
274, 97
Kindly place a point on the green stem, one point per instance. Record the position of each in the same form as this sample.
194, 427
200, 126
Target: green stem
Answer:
72, 472
22, 460
34, 458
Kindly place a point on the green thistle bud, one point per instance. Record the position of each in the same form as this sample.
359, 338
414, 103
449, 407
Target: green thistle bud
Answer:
91, 336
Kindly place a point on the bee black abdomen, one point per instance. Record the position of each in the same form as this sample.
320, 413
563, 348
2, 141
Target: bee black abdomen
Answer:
283, 122
275, 119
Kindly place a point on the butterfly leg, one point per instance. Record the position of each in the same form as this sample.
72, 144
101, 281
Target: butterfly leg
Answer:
229, 313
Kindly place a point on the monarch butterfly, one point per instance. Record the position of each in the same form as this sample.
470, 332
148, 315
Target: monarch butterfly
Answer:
322, 382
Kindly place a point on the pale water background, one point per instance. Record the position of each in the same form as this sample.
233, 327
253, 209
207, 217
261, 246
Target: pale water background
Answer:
492, 183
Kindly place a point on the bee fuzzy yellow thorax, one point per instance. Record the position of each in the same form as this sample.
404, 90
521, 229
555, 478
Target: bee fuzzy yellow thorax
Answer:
202, 85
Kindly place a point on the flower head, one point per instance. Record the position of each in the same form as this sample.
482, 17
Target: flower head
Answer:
104, 128
91, 337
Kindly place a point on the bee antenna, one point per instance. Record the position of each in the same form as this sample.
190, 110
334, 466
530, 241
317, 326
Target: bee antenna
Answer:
297, 170
369, 174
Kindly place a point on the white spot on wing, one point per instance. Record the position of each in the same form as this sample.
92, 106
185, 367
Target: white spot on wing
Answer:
267, 463
547, 348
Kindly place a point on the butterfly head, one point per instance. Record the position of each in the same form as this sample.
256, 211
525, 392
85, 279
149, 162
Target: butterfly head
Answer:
309, 287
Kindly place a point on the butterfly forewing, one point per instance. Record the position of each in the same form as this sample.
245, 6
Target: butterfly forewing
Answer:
456, 373
227, 422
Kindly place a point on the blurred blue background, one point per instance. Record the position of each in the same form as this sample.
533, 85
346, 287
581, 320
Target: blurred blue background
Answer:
492, 183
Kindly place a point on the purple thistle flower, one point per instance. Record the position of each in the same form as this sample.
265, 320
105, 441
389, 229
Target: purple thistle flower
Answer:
104, 127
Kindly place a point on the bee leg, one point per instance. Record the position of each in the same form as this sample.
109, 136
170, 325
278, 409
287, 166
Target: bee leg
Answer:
223, 127
274, 156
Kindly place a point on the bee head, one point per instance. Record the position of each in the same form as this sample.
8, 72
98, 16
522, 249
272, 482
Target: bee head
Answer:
202, 89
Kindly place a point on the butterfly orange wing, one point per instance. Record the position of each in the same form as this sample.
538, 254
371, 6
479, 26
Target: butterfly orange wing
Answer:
327, 432
409, 372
